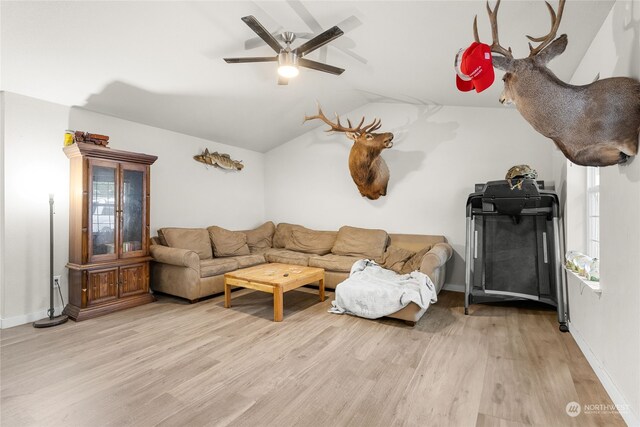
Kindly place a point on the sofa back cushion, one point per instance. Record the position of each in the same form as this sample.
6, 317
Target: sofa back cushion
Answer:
260, 238
228, 243
195, 239
310, 241
283, 234
415, 242
362, 242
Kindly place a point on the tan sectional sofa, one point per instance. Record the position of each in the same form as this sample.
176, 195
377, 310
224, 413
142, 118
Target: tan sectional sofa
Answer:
190, 263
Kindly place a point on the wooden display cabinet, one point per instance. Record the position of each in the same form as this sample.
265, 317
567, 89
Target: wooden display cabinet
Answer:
108, 230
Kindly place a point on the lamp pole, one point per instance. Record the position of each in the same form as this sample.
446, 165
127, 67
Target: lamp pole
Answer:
51, 320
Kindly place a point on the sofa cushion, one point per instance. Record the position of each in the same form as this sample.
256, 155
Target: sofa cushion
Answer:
395, 257
414, 262
228, 243
195, 239
215, 266
261, 237
284, 256
360, 242
311, 241
340, 263
245, 261
283, 234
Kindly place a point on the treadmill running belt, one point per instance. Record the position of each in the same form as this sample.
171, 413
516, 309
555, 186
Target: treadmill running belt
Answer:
510, 255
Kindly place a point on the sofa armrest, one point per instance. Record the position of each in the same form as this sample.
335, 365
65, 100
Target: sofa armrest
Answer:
433, 263
176, 256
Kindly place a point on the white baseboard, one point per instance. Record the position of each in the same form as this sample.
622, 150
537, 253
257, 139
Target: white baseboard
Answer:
27, 318
453, 287
616, 396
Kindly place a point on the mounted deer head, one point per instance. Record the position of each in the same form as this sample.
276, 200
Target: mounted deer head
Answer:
368, 170
593, 125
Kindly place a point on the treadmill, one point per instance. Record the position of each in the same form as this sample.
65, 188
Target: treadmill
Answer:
514, 245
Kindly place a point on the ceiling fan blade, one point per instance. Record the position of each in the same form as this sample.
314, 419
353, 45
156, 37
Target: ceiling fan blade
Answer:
319, 41
255, 42
305, 15
251, 59
265, 35
283, 80
349, 24
303, 62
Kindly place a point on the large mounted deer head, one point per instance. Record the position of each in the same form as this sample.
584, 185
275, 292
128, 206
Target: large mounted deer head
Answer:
368, 170
593, 125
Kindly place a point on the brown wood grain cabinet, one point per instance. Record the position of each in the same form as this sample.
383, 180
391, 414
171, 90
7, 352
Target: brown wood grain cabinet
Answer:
108, 230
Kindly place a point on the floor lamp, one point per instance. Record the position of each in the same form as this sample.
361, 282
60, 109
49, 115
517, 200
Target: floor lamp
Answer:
51, 320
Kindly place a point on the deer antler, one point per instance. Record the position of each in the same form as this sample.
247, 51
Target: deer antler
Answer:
555, 23
339, 127
493, 19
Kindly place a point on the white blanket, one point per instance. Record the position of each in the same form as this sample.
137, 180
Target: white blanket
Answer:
372, 291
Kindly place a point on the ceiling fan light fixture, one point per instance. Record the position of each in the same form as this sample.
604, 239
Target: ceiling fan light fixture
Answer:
289, 60
288, 64
288, 71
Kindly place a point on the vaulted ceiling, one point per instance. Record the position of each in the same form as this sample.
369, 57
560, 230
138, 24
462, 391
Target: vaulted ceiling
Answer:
160, 63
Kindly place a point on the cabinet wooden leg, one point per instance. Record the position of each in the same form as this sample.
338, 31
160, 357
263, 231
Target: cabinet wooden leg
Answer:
277, 304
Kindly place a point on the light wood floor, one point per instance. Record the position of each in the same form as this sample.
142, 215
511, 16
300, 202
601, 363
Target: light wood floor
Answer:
171, 363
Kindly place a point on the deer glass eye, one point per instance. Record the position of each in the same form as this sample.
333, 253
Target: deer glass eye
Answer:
369, 137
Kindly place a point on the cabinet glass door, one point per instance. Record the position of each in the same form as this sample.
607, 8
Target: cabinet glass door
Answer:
133, 210
103, 211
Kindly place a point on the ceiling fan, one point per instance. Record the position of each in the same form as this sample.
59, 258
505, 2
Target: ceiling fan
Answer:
346, 25
290, 59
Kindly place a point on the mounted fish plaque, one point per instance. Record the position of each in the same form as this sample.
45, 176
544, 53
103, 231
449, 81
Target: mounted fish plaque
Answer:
218, 160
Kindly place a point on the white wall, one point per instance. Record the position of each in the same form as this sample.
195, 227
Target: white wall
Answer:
439, 153
607, 326
183, 192
34, 166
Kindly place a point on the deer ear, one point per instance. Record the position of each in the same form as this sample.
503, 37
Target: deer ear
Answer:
554, 49
351, 135
503, 63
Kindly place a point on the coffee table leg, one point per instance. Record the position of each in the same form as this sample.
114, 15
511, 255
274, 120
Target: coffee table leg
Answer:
227, 294
321, 288
277, 304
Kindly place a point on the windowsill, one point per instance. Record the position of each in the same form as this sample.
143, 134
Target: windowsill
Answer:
594, 286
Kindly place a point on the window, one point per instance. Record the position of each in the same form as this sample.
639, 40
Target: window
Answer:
593, 212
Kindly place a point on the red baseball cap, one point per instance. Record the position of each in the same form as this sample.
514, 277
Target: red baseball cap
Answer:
474, 68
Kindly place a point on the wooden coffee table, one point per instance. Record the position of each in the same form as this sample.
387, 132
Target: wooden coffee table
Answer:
275, 279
